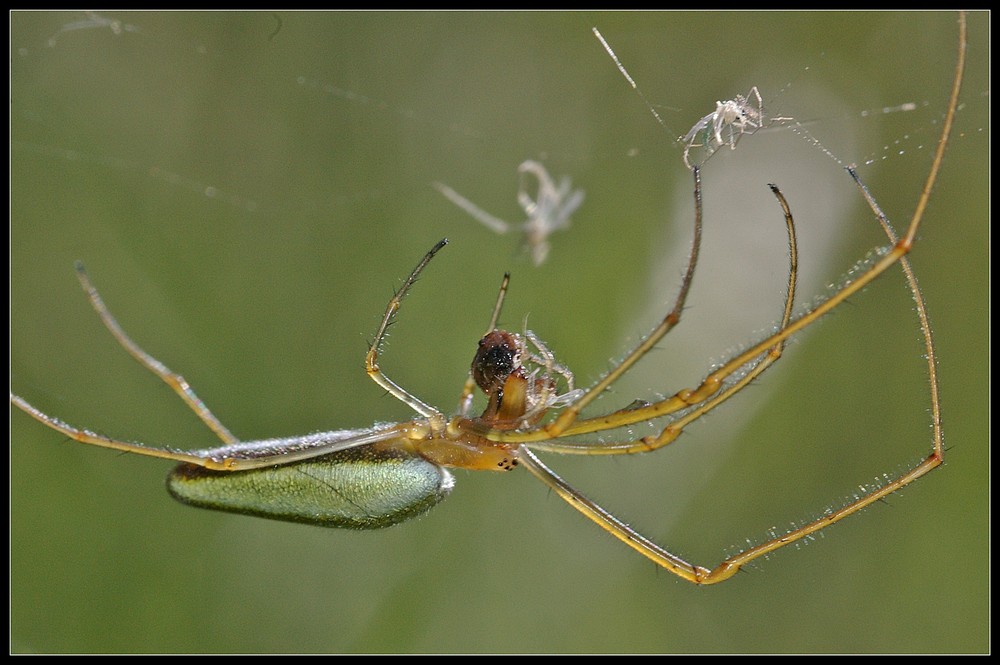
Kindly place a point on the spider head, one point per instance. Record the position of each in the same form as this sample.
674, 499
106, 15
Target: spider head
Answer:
498, 356
518, 397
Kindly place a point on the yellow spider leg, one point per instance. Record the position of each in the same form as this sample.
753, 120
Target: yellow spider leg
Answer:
567, 424
92, 438
371, 359
172, 379
732, 565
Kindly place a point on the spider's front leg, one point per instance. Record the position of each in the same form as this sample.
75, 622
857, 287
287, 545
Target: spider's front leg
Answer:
371, 359
897, 253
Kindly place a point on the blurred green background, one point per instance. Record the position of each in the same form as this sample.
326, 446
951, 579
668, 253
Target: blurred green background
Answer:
247, 189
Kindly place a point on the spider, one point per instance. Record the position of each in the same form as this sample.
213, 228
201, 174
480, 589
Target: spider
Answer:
734, 114
376, 477
739, 116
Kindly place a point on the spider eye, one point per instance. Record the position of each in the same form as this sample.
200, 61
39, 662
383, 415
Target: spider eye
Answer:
498, 356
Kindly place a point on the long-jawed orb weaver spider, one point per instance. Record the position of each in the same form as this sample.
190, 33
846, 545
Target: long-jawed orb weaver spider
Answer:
379, 476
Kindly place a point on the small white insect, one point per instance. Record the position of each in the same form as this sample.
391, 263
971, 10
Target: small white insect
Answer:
548, 211
737, 116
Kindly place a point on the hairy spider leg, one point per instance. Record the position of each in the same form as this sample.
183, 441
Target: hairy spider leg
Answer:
731, 565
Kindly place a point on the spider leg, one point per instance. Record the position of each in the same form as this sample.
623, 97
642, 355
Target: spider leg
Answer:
371, 359
172, 379
715, 381
547, 359
495, 224
238, 455
692, 573
568, 422
610, 523
235, 454
243, 455
734, 138
84, 436
918, 297
730, 566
